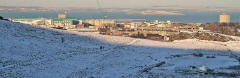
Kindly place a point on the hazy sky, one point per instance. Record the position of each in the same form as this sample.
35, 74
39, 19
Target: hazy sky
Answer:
123, 3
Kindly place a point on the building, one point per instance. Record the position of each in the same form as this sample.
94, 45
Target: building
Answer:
65, 22
169, 22
62, 22
156, 22
100, 22
127, 25
62, 16
224, 18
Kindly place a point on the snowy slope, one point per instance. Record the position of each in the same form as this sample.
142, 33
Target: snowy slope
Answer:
33, 52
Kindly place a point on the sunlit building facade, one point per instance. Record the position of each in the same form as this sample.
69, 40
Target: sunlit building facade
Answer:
62, 16
100, 22
224, 18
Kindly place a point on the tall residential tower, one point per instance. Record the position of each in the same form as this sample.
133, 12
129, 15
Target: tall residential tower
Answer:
224, 18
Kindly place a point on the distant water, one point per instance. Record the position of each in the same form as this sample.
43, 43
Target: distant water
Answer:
195, 17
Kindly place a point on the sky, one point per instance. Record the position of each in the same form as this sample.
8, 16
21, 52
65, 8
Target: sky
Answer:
124, 3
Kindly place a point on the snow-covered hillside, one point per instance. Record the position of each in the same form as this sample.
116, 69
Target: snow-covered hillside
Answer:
33, 52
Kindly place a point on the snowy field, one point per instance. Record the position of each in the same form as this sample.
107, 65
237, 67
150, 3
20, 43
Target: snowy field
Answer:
32, 52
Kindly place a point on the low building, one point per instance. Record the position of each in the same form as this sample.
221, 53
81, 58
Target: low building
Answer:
238, 30
65, 22
100, 22
166, 38
62, 22
126, 25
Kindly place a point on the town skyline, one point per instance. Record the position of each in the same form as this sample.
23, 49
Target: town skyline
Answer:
172, 4
119, 38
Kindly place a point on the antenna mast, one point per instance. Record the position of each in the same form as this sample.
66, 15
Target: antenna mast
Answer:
101, 9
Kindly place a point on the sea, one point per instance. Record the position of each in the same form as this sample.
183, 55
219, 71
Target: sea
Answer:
188, 17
